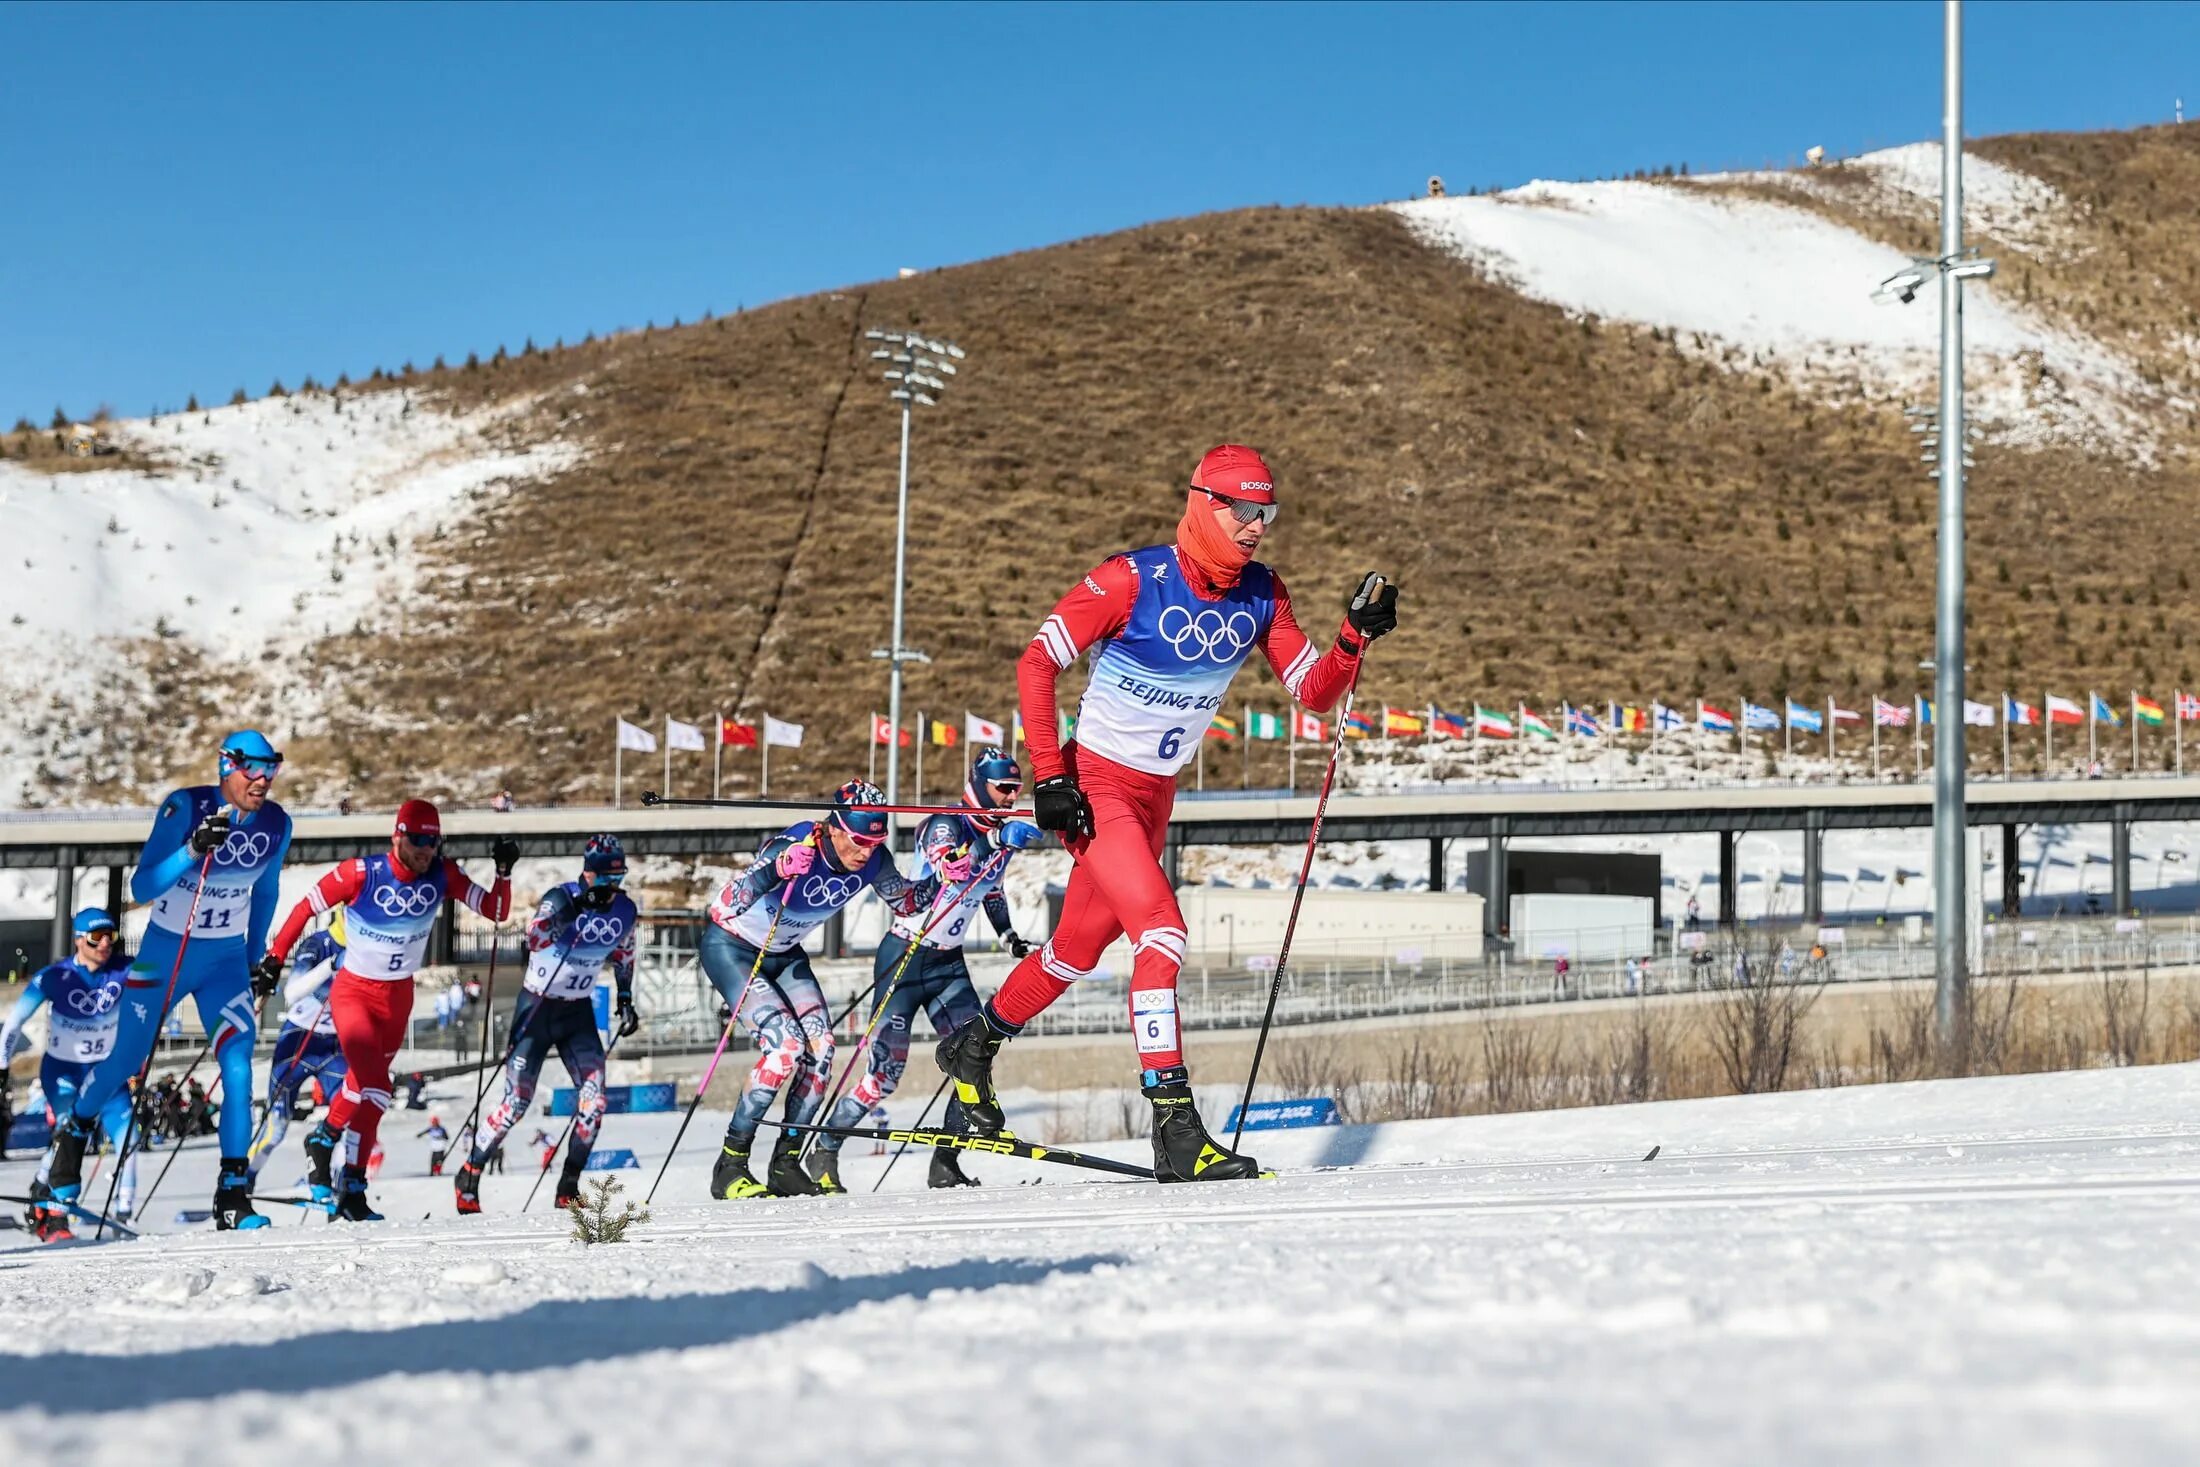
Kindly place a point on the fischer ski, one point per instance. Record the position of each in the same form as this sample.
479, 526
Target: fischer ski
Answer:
1003, 1145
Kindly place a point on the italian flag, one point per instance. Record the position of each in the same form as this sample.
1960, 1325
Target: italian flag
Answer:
1489, 725
1530, 724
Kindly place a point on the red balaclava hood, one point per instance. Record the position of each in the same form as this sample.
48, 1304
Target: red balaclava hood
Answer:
1211, 557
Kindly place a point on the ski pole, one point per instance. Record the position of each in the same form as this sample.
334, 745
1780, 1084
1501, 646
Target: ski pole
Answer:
922, 1116
652, 800
183, 945
726, 1035
174, 1151
937, 915
559, 1144
488, 1010
1298, 895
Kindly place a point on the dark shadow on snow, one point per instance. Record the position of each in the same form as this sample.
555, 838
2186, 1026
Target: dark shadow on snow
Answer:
545, 1336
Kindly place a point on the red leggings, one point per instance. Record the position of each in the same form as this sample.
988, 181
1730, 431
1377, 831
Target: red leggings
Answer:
1116, 887
370, 1016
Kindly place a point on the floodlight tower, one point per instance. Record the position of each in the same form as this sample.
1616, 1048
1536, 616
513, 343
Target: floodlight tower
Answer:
915, 369
1954, 265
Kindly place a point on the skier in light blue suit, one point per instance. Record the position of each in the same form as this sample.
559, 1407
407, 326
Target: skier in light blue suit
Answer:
209, 872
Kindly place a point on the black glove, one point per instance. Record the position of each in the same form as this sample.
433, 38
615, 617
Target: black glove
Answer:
212, 831
505, 853
267, 975
629, 1020
1017, 947
598, 898
1058, 804
1373, 609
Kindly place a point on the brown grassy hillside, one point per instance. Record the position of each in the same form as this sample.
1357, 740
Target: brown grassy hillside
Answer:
1575, 510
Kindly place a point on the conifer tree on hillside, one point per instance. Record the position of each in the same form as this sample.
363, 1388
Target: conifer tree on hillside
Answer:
191, 403
238, 399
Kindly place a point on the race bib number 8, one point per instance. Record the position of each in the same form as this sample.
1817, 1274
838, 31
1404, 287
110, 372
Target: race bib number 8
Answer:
1153, 1019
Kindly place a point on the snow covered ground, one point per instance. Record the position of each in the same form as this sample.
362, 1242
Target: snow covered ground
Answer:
1759, 284
1986, 1270
269, 523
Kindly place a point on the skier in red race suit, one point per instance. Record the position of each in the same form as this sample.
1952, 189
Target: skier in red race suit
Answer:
391, 901
1168, 627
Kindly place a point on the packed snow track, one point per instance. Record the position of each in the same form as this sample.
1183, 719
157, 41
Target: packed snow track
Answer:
1957, 1271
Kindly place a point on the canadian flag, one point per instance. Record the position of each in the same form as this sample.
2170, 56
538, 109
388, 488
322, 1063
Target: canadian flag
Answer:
1306, 725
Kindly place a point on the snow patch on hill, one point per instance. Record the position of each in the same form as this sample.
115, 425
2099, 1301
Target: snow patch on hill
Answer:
1762, 284
271, 523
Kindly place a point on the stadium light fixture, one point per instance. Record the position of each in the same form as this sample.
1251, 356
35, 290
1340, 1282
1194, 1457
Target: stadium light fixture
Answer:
912, 361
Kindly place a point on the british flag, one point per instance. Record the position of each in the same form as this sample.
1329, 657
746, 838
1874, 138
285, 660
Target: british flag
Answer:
1889, 715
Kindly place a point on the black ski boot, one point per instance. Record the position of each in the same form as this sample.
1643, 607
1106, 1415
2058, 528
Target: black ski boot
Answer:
967, 1057
947, 1170
466, 1188
233, 1198
48, 1222
786, 1177
320, 1161
569, 1183
825, 1171
1182, 1149
729, 1179
351, 1198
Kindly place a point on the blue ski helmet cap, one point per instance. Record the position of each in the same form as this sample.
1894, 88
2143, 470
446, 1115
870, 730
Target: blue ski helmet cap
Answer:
867, 826
604, 858
248, 749
91, 920
988, 768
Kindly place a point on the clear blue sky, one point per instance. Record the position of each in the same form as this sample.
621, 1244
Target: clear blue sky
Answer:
202, 198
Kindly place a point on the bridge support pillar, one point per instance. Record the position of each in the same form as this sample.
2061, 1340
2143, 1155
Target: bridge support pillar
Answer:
1814, 869
1172, 863
836, 935
1435, 863
1496, 916
64, 903
115, 902
2119, 858
1729, 881
2012, 874
441, 937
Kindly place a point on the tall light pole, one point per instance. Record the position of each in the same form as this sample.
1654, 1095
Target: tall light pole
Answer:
915, 366
1954, 265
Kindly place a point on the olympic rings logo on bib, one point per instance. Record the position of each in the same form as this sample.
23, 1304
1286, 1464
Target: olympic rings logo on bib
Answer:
90, 1002
829, 891
1208, 634
243, 848
416, 900
596, 931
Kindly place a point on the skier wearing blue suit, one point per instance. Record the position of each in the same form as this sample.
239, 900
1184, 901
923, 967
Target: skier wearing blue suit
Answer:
757, 923
969, 853
306, 1047
85, 992
209, 872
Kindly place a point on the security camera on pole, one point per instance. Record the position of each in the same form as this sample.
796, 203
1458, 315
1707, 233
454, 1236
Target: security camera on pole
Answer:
1954, 265
915, 366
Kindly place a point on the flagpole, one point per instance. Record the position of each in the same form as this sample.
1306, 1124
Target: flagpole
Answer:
668, 754
718, 754
2007, 707
764, 775
1787, 721
2047, 760
618, 763
1917, 737
2092, 729
2134, 730
1876, 700
2177, 728
1292, 759
870, 770
924, 731
1831, 723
